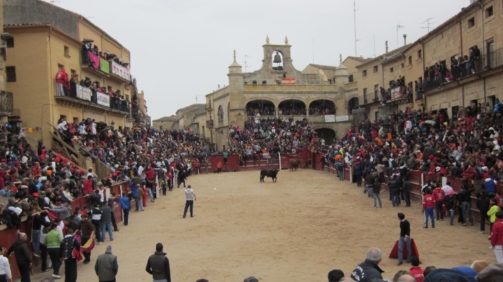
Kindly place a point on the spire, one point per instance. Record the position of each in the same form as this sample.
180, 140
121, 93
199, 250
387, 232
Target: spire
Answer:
267, 39
235, 63
235, 56
286, 40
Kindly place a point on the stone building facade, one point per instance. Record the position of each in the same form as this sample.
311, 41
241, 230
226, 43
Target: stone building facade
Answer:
6, 98
279, 90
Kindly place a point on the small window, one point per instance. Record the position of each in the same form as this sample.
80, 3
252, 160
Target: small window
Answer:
364, 73
410, 60
489, 11
11, 74
403, 65
10, 42
254, 82
264, 82
350, 78
471, 22
376, 68
391, 70
419, 54
364, 91
67, 51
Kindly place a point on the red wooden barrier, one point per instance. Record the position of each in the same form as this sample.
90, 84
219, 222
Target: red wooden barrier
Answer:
317, 161
232, 163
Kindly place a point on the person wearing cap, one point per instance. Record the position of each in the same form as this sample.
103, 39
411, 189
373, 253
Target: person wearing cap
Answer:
158, 265
190, 198
65, 253
23, 257
106, 266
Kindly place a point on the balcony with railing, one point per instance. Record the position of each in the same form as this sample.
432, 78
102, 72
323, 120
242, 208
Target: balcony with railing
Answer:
460, 69
90, 97
6, 103
104, 63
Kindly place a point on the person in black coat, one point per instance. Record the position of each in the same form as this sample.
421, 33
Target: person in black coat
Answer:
394, 190
369, 270
483, 204
23, 257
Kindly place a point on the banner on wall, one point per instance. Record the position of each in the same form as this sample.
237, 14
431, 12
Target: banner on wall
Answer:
103, 99
121, 71
84, 93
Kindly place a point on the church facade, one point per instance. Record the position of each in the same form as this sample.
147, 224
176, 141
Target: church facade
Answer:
321, 94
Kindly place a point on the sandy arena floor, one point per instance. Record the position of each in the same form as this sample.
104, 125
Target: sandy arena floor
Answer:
294, 230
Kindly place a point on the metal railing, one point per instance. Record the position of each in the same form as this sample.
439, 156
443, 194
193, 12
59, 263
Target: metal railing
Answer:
6, 102
493, 59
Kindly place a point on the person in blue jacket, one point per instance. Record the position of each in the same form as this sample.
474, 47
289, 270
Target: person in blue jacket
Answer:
126, 206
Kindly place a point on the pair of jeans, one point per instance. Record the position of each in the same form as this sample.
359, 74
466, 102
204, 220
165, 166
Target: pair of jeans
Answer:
24, 270
70, 270
340, 174
395, 199
451, 214
151, 194
43, 257
55, 259
378, 197
368, 190
35, 240
126, 216
429, 213
466, 206
188, 203
140, 204
439, 210
104, 227
97, 228
401, 242
137, 203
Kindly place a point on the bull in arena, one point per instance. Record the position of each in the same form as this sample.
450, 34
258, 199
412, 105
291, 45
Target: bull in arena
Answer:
308, 164
272, 173
294, 164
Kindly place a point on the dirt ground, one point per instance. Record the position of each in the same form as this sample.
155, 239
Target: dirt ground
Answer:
297, 229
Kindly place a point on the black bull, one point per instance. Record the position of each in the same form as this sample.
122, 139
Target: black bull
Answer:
272, 173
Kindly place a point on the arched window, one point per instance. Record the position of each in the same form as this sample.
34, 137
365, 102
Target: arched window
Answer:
322, 107
220, 114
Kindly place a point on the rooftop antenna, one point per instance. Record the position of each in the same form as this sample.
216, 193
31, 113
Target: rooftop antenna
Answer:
354, 11
428, 24
246, 61
399, 26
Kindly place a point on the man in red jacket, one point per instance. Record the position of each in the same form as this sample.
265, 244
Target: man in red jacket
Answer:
428, 206
62, 82
88, 185
439, 196
497, 237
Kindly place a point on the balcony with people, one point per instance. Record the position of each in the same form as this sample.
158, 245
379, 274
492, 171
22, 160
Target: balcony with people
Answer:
321, 108
260, 108
86, 90
105, 63
292, 108
461, 67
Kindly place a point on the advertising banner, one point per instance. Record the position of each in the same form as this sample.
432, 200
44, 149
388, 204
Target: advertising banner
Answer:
120, 71
103, 99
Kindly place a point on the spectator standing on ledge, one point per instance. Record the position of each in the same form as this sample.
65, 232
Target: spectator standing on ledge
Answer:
158, 265
5, 274
404, 238
190, 198
23, 257
369, 270
106, 266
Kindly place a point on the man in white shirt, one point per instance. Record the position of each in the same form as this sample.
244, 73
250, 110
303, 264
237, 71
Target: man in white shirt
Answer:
190, 198
5, 274
447, 188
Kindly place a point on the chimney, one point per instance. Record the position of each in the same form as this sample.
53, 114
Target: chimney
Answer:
386, 46
404, 39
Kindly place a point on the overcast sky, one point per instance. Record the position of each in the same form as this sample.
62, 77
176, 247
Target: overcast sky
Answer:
181, 48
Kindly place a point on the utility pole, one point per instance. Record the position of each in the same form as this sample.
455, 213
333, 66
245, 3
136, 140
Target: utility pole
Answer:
356, 40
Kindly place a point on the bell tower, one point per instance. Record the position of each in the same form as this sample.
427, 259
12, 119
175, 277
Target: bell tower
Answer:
278, 59
235, 75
